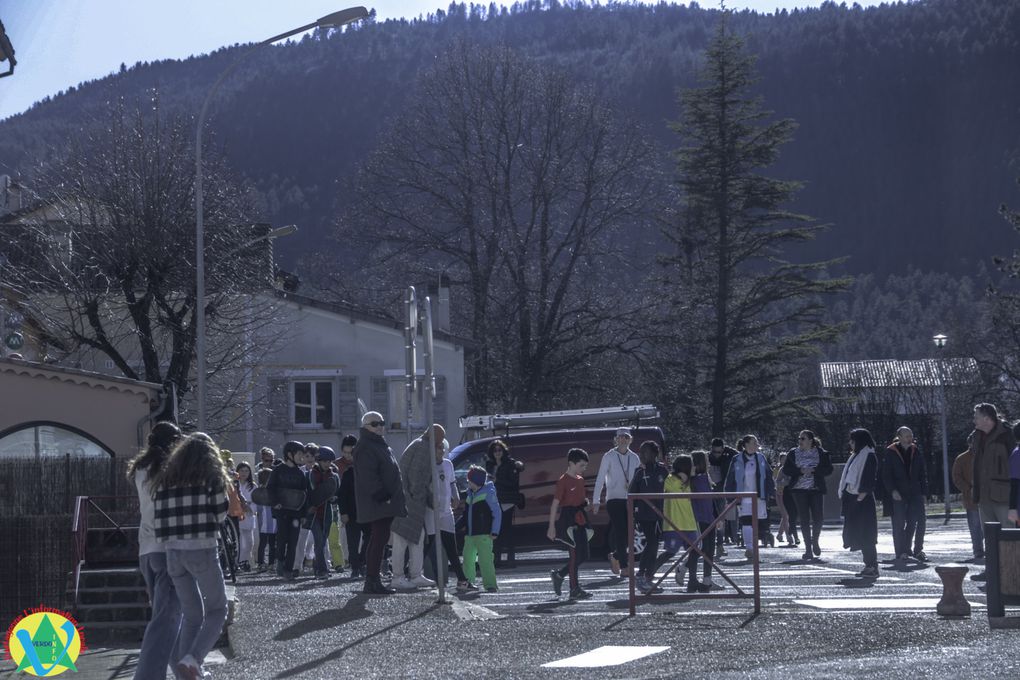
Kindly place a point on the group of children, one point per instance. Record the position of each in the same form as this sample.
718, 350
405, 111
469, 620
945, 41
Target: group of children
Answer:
677, 523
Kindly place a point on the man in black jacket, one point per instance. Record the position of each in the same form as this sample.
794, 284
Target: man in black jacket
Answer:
378, 493
905, 477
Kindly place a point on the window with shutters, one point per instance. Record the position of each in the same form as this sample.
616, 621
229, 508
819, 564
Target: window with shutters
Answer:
312, 403
347, 403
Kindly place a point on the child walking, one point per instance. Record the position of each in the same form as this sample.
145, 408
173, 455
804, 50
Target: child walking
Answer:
483, 524
266, 528
649, 478
247, 523
680, 530
159, 644
568, 522
749, 471
190, 505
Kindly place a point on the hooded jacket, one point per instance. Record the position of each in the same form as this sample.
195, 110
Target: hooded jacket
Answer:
481, 508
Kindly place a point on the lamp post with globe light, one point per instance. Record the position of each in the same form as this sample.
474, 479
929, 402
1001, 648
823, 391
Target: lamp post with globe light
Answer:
940, 341
334, 20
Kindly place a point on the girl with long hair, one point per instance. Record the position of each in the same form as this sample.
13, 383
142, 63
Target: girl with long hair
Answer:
159, 643
807, 465
857, 494
247, 524
190, 505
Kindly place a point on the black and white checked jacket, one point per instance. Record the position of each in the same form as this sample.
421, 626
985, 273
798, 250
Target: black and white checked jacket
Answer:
190, 512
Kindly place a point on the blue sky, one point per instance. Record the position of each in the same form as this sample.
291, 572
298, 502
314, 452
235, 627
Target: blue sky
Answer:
59, 43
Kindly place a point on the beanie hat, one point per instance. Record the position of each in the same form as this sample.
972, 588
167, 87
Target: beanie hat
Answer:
476, 476
325, 453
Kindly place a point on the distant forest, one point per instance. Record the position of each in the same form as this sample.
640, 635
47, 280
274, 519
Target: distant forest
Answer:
908, 114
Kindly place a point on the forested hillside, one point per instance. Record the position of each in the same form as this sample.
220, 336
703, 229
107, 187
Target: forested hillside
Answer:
909, 114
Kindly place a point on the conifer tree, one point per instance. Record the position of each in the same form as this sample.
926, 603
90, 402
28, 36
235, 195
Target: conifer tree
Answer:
748, 315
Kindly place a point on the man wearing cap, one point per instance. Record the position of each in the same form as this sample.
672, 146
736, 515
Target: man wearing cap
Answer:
378, 494
322, 514
287, 476
615, 472
416, 465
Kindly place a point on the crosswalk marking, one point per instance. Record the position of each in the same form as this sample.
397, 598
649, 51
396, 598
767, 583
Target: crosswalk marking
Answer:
609, 655
876, 603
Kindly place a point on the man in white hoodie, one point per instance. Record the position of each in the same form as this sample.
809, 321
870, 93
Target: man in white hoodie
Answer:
615, 472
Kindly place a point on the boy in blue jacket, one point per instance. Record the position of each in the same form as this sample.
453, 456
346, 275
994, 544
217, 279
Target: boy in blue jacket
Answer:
483, 523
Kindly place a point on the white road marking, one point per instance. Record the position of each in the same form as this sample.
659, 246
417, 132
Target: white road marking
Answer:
469, 611
923, 603
609, 655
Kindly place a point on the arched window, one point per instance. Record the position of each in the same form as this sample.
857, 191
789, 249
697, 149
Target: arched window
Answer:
45, 439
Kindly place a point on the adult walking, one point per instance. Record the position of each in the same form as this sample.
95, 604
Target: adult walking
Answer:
506, 476
720, 457
618, 466
995, 443
807, 465
905, 478
963, 479
379, 495
288, 475
416, 465
159, 644
857, 497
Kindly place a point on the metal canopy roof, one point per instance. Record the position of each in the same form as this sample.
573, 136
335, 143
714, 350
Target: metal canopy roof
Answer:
894, 373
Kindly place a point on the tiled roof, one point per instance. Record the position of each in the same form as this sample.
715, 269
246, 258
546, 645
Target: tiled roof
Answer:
893, 373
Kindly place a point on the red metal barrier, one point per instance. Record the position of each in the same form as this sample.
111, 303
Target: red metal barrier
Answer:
734, 500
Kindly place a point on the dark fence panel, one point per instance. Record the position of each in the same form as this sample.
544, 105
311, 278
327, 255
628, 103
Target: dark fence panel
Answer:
48, 486
35, 558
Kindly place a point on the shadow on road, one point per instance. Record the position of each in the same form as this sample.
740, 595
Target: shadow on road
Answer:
353, 610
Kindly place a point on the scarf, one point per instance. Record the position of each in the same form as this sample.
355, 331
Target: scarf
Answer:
850, 480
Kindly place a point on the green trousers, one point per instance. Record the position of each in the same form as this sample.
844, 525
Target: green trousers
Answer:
479, 547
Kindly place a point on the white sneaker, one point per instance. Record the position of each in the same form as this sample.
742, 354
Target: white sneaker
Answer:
401, 583
422, 581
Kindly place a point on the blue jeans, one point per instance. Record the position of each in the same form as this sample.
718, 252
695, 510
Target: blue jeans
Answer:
908, 524
320, 534
199, 582
160, 644
977, 532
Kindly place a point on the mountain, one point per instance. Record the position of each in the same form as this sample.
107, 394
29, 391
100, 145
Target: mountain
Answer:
909, 114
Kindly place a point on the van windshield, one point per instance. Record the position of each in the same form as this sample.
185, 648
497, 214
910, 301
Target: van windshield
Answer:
461, 465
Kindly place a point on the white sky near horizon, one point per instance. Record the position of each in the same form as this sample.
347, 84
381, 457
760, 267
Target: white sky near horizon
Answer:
60, 43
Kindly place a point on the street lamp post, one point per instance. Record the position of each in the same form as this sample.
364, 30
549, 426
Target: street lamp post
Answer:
337, 19
940, 342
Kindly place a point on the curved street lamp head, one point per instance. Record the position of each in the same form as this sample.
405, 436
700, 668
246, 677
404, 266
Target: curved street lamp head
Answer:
342, 18
940, 340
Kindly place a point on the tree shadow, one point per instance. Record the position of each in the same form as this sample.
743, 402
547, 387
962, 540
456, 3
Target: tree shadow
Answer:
358, 602
354, 610
550, 606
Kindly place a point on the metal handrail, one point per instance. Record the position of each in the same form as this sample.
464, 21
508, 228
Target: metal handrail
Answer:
80, 528
734, 499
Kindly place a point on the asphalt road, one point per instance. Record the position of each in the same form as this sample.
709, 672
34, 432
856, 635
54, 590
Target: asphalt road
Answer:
817, 621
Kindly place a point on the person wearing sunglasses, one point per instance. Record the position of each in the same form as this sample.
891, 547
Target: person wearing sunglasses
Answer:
807, 465
379, 495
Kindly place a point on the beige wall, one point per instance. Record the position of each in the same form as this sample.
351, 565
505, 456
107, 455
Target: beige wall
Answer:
108, 410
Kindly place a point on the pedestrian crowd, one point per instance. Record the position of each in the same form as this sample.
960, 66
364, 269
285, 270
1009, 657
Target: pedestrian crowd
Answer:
313, 512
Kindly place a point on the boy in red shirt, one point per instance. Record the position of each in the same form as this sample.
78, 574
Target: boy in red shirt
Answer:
568, 522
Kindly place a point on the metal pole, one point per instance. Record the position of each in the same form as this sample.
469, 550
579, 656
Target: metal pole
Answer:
945, 443
430, 395
630, 554
410, 352
338, 18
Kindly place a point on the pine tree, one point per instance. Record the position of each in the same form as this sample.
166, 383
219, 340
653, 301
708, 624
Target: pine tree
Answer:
748, 315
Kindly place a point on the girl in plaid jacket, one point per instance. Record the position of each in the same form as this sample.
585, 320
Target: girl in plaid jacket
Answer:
190, 505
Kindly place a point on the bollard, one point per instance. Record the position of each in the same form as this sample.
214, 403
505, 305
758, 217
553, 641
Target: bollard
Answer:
953, 603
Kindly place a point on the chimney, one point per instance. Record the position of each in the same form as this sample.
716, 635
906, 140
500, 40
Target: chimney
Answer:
439, 291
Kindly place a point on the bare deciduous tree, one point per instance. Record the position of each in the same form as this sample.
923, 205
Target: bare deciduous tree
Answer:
518, 185
106, 258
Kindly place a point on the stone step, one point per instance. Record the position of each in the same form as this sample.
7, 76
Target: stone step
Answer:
112, 595
120, 612
113, 633
111, 577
